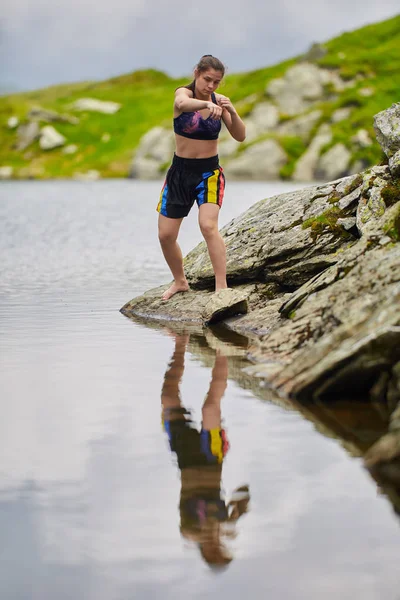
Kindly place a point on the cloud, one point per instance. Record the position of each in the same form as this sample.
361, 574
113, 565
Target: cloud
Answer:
47, 42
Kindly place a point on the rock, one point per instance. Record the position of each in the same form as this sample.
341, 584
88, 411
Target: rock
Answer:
70, 149
261, 161
27, 133
306, 165
301, 85
341, 114
366, 92
223, 304
387, 128
228, 148
347, 223
6, 172
334, 163
92, 104
314, 53
155, 150
300, 126
385, 450
50, 138
394, 164
91, 175
265, 117
41, 114
145, 168
274, 241
361, 138
12, 122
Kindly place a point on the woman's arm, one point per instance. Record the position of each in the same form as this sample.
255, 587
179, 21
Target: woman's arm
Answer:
233, 122
184, 102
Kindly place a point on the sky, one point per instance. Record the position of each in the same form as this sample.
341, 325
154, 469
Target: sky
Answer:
47, 42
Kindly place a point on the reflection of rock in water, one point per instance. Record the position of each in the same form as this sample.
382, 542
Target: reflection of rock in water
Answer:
366, 429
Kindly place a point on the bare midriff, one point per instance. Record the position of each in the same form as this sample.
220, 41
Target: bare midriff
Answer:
187, 148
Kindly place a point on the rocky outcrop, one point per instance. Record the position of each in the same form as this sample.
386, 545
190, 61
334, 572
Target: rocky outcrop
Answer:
320, 269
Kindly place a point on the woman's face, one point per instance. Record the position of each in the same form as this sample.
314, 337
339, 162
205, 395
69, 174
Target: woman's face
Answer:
207, 81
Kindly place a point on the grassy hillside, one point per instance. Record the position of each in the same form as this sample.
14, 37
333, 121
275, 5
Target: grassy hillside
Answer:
146, 99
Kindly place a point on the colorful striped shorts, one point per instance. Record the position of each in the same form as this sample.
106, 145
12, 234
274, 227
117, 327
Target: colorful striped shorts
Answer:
190, 179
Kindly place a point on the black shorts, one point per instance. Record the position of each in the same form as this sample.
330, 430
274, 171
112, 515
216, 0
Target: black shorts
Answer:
193, 448
190, 179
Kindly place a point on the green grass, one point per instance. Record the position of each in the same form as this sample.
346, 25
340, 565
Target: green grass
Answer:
371, 52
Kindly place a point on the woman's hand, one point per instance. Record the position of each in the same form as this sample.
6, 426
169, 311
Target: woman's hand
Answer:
226, 104
215, 110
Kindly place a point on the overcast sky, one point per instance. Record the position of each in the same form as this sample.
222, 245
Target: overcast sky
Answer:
51, 41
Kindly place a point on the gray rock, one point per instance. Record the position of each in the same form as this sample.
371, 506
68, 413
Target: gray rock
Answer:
223, 304
27, 133
6, 172
300, 126
307, 163
334, 163
95, 105
347, 223
154, 152
261, 161
12, 122
41, 114
50, 138
394, 164
265, 117
341, 114
387, 129
300, 87
362, 139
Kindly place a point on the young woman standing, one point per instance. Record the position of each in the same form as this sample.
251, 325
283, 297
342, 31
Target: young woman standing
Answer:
195, 173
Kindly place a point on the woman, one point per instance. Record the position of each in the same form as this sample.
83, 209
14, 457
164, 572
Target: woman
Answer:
195, 173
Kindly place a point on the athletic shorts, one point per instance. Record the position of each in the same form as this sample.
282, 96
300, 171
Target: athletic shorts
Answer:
194, 448
190, 179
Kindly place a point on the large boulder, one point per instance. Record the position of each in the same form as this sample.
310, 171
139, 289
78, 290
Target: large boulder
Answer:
154, 152
307, 163
261, 161
301, 86
334, 163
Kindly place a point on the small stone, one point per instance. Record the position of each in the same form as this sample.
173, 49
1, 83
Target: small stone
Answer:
347, 223
6, 172
223, 304
50, 138
70, 149
12, 122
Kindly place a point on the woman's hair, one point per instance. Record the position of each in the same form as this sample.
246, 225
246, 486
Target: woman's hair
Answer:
208, 61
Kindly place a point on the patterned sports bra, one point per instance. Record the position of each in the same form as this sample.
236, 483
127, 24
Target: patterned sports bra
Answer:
192, 125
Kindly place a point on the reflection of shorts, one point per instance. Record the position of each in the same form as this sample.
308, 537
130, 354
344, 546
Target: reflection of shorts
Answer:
190, 179
193, 448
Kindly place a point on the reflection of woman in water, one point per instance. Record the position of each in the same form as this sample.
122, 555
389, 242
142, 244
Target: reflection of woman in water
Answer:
205, 517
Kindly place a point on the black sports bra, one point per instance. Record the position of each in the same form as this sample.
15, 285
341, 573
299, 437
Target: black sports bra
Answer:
192, 125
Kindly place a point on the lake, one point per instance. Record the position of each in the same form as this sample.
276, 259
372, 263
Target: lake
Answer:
93, 502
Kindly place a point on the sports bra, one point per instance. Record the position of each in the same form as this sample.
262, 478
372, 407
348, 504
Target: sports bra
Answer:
192, 125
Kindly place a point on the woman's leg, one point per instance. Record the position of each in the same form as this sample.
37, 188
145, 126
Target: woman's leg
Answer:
168, 230
208, 221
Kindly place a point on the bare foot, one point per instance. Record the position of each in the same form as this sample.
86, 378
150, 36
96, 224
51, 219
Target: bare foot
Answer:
174, 289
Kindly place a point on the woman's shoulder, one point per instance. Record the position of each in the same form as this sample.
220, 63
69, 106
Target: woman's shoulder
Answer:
185, 91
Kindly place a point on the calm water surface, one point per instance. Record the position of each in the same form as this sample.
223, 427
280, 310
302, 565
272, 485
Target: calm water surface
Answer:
90, 493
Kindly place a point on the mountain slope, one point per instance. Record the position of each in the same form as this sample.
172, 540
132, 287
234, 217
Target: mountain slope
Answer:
369, 56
